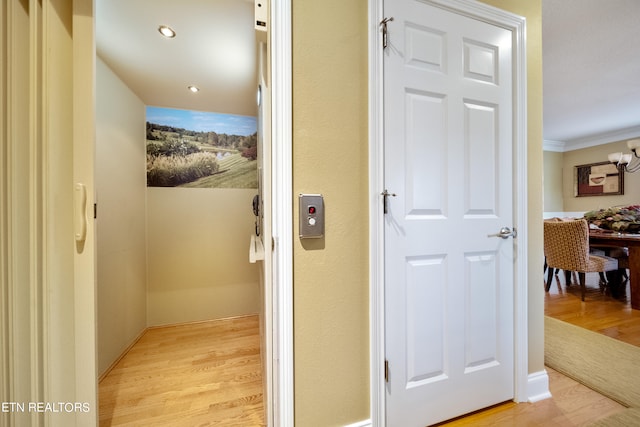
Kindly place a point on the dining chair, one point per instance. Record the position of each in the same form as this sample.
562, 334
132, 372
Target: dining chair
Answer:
566, 247
570, 276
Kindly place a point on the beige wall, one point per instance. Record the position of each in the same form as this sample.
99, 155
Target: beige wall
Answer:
120, 226
559, 185
330, 276
594, 155
553, 190
198, 255
331, 301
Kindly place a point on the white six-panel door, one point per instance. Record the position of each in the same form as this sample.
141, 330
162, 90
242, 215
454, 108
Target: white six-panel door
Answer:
449, 296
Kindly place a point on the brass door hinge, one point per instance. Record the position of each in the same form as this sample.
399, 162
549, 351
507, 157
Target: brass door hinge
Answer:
386, 371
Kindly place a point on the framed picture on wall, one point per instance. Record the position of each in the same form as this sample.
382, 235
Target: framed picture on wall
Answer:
201, 149
598, 179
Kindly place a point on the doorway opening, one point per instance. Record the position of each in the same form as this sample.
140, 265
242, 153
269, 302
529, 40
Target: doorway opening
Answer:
170, 220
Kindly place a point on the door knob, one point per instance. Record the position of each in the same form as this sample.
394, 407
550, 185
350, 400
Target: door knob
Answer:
504, 233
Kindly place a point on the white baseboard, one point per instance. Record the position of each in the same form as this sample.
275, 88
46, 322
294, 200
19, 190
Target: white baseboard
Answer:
538, 386
365, 423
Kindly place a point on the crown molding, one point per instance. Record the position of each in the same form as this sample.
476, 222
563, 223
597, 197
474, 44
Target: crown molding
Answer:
592, 140
557, 146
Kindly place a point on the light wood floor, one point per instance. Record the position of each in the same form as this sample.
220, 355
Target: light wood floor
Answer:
572, 404
200, 374
209, 373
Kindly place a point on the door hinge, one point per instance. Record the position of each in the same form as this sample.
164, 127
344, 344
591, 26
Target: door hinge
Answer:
386, 371
383, 24
95, 210
385, 194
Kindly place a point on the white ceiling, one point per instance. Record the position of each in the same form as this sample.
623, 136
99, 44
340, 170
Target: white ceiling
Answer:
591, 61
215, 50
591, 70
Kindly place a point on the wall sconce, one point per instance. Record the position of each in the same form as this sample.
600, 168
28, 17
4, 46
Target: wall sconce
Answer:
625, 159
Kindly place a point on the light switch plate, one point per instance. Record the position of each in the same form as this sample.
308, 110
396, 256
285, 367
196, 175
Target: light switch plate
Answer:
311, 216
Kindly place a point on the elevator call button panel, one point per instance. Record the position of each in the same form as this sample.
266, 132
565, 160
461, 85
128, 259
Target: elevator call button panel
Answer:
311, 216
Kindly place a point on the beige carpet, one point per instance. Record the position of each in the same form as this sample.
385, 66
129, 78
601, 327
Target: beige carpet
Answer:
627, 418
606, 365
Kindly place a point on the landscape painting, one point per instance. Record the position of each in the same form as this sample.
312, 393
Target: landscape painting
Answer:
200, 149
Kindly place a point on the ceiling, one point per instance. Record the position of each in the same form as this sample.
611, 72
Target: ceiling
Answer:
214, 49
591, 71
591, 61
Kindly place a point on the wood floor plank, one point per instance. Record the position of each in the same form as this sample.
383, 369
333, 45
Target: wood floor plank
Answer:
209, 374
200, 374
572, 405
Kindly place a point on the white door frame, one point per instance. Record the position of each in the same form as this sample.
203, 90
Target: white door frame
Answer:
281, 306
517, 25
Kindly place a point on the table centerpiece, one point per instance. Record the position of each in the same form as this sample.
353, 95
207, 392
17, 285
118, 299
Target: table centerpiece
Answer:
623, 219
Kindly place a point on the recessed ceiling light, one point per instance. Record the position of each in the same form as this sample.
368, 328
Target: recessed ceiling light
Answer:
167, 31
193, 89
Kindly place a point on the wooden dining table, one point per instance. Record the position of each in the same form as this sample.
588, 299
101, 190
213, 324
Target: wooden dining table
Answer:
630, 241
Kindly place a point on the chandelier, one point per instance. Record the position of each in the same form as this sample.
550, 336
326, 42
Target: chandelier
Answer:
627, 159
